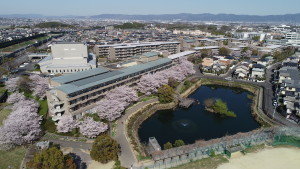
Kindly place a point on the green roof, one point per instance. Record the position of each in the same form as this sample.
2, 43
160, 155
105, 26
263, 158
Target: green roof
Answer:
79, 75
99, 79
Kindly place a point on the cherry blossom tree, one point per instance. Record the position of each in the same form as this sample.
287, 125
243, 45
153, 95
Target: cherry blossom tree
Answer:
235, 53
66, 124
247, 53
22, 125
39, 86
123, 94
27, 105
12, 84
15, 97
114, 103
90, 128
151, 82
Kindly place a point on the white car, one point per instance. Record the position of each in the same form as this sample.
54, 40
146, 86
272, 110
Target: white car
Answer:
228, 78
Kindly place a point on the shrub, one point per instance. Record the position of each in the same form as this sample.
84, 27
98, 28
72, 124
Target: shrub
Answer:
168, 145
179, 143
105, 149
165, 94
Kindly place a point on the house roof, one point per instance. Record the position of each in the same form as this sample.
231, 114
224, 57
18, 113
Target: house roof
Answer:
258, 66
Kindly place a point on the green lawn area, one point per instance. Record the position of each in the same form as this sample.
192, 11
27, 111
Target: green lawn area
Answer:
3, 114
206, 163
43, 110
186, 85
13, 158
2, 90
148, 98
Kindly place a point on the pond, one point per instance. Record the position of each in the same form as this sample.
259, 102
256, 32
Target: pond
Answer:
196, 123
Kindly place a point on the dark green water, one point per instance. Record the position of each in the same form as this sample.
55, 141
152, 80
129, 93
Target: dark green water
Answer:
196, 123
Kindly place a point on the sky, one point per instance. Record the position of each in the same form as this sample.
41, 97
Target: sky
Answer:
95, 7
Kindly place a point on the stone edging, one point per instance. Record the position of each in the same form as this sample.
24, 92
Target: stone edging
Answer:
256, 90
144, 115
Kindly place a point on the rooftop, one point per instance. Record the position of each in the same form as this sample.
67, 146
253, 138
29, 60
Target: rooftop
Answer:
178, 55
79, 75
94, 77
206, 47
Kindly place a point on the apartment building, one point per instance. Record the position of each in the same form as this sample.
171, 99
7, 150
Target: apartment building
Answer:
293, 38
250, 35
68, 58
119, 51
77, 93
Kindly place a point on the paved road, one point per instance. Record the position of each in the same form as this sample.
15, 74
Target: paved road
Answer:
268, 93
127, 156
79, 149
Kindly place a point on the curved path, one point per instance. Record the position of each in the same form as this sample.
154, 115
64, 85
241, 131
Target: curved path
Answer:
127, 156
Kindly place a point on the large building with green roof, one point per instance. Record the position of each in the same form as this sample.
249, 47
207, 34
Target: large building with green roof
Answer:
78, 92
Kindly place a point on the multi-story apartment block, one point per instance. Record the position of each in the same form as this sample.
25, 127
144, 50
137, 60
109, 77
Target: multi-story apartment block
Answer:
293, 38
119, 51
292, 35
68, 58
77, 93
250, 35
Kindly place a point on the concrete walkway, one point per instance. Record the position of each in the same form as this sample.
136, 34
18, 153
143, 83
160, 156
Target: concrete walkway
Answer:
127, 156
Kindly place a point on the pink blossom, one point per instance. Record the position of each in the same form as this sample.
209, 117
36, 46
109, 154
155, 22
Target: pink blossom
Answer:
15, 97
22, 125
90, 128
151, 82
12, 84
66, 124
114, 103
39, 86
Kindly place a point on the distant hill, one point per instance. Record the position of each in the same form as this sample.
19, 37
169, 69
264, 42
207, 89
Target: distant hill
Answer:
22, 16
204, 17
292, 18
53, 25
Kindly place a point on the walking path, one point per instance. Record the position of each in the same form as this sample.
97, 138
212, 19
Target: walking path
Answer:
127, 156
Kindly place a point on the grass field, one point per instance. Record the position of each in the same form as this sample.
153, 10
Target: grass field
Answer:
43, 108
207, 163
12, 159
3, 114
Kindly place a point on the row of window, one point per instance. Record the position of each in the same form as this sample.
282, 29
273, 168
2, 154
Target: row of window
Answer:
67, 70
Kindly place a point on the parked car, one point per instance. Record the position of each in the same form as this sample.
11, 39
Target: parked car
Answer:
228, 78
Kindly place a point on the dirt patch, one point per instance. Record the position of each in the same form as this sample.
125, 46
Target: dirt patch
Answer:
270, 158
97, 165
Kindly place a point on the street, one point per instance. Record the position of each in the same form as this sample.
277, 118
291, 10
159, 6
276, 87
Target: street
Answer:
268, 93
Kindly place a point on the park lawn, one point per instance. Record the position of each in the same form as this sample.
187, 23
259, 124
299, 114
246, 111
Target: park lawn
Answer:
148, 98
43, 109
3, 115
206, 163
2, 90
12, 158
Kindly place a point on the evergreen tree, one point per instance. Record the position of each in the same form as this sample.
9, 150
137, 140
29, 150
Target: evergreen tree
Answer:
105, 149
